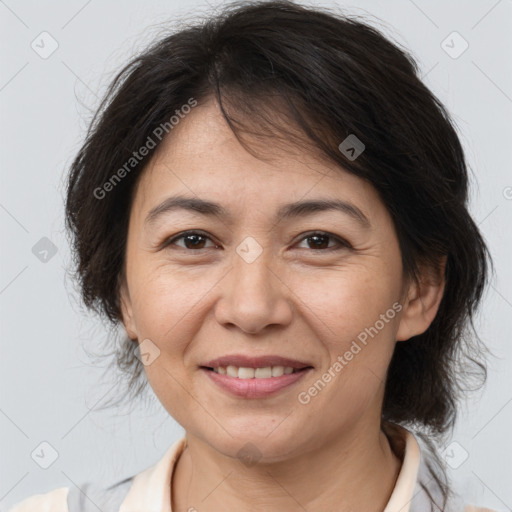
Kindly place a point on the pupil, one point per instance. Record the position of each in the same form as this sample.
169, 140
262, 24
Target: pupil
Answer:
317, 237
196, 237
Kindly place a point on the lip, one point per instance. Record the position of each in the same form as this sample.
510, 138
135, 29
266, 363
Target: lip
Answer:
255, 362
255, 388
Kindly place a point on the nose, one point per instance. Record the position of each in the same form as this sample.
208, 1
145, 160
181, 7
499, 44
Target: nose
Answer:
253, 296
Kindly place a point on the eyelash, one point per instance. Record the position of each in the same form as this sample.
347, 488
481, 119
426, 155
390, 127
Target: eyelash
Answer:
342, 244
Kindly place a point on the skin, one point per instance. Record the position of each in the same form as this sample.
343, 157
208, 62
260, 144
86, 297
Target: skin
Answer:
293, 300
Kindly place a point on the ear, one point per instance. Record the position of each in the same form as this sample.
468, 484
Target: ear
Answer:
127, 310
422, 301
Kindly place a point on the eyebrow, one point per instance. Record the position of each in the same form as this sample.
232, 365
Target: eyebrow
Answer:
285, 212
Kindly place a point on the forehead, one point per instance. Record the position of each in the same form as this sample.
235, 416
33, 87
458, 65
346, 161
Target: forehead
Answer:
202, 157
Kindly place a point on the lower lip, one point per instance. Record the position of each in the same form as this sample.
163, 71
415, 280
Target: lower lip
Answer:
254, 388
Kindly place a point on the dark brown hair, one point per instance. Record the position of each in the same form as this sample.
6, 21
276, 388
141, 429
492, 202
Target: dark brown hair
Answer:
330, 75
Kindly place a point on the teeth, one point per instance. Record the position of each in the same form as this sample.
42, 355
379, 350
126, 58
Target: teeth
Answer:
251, 373
245, 373
262, 373
232, 371
277, 371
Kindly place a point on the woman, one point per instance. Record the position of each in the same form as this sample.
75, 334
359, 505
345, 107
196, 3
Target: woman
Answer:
274, 207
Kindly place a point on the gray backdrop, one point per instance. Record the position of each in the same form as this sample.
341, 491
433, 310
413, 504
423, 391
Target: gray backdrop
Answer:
56, 59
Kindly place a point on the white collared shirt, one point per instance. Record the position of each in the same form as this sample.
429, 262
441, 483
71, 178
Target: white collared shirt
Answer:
149, 490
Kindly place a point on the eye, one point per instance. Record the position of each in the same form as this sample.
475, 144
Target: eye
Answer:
191, 240
320, 241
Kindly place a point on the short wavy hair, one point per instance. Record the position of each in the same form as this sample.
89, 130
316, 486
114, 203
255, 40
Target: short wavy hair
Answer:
329, 75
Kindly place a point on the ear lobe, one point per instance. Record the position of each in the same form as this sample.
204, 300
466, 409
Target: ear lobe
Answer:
127, 311
422, 302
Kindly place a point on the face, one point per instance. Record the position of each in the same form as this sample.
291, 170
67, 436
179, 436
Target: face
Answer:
318, 286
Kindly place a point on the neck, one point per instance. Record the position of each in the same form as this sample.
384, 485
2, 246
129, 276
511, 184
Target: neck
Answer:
353, 471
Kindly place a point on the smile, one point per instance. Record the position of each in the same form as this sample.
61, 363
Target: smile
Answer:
243, 372
249, 382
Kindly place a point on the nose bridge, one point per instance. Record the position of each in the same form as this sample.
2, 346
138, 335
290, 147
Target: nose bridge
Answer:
255, 297
252, 267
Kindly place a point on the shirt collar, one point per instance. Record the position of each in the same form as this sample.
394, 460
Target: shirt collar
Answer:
403, 493
150, 490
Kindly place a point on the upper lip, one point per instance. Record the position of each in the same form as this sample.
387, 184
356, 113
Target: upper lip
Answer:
241, 360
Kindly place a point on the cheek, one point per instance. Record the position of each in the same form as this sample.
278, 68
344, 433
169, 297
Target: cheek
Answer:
167, 308
354, 315
346, 302
166, 301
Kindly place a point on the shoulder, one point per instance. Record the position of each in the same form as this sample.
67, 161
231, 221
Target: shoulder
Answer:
87, 497
150, 485
471, 508
431, 480
422, 483
54, 501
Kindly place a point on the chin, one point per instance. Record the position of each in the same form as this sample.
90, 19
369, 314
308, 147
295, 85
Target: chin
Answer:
252, 441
